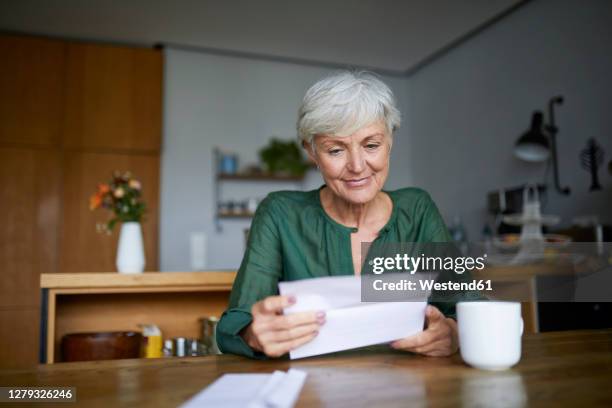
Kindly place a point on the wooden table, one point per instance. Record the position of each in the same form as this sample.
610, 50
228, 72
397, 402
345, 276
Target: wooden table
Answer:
557, 369
97, 302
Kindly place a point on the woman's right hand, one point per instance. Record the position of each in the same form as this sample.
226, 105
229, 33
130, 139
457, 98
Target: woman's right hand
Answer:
275, 334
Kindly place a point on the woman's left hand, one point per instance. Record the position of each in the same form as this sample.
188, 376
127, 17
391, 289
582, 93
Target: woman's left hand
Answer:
439, 339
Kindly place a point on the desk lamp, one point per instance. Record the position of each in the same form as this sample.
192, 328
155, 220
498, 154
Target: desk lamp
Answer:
539, 143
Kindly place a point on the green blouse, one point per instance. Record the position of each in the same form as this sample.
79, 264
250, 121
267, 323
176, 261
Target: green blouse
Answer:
293, 238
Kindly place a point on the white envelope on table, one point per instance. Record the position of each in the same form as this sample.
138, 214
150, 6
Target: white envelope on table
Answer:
349, 322
251, 390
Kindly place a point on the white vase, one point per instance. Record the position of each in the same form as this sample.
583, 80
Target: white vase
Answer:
130, 252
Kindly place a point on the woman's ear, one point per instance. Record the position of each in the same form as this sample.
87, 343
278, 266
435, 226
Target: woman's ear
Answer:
310, 152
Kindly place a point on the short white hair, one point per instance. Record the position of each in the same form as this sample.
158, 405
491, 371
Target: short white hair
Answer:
343, 103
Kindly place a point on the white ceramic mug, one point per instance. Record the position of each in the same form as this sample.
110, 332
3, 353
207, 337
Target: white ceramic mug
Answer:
490, 334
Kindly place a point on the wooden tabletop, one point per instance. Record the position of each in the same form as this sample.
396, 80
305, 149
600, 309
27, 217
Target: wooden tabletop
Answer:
557, 369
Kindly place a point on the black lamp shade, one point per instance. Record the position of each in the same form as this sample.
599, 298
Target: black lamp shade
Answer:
533, 145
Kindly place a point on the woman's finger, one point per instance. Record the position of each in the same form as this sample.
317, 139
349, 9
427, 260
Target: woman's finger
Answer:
290, 334
433, 315
297, 319
437, 348
418, 340
273, 304
264, 324
282, 348
438, 353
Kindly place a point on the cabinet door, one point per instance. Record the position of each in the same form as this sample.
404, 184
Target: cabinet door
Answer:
19, 333
29, 212
31, 87
83, 249
113, 98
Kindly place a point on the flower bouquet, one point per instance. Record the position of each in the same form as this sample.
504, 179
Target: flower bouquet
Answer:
123, 196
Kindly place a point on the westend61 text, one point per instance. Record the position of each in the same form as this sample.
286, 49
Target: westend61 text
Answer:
430, 284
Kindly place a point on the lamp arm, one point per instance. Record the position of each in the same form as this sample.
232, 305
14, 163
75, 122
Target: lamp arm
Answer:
552, 132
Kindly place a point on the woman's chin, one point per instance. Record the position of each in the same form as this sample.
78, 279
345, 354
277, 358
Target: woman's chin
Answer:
358, 196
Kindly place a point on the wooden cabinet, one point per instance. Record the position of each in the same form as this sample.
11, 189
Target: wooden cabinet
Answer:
82, 248
31, 90
70, 114
94, 302
29, 214
29, 208
19, 337
113, 98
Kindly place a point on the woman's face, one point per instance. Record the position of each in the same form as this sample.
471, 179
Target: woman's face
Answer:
354, 167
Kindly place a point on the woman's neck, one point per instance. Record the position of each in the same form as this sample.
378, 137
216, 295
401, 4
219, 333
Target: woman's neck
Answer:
351, 214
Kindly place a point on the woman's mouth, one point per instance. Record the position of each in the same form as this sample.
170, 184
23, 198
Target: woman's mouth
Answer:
357, 182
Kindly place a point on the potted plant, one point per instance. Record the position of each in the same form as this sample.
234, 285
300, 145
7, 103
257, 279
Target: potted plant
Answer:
283, 157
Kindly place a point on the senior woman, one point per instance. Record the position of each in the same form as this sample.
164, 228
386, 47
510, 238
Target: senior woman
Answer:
346, 124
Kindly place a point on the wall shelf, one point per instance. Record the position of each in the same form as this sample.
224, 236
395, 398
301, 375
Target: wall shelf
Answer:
235, 215
258, 177
262, 177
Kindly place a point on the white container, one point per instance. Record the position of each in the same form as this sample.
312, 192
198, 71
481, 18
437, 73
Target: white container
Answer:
197, 251
130, 251
490, 334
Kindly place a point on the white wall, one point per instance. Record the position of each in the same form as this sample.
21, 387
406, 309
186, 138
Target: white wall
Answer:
462, 115
236, 104
469, 106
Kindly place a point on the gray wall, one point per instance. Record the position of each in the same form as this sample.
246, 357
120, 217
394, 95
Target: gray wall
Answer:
236, 104
469, 106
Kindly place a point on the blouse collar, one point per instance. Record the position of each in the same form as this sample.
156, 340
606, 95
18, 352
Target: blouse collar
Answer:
385, 228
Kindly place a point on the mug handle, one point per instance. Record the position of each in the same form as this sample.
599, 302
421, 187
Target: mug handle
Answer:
522, 326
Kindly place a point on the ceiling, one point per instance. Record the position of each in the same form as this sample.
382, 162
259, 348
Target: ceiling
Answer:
392, 36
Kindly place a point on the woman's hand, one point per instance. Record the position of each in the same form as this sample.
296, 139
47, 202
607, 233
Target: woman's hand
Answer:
439, 339
276, 334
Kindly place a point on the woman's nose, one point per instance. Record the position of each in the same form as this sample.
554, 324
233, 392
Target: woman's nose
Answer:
356, 162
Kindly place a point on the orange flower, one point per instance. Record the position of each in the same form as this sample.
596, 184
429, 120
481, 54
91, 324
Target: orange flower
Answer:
95, 201
103, 189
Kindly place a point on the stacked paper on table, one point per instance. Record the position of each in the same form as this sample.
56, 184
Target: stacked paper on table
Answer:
277, 390
349, 322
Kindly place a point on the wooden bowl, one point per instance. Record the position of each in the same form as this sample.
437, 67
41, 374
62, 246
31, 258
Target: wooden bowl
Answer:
101, 346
